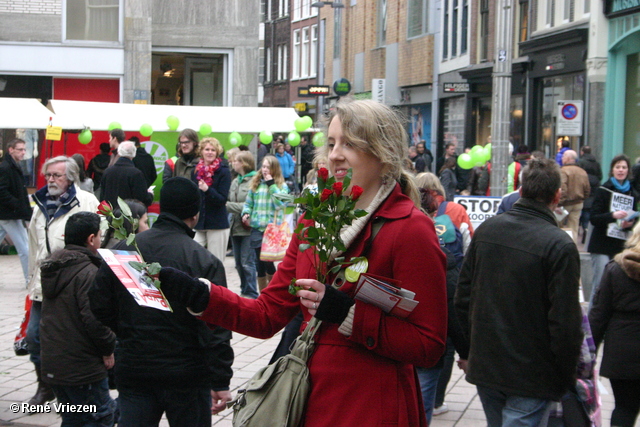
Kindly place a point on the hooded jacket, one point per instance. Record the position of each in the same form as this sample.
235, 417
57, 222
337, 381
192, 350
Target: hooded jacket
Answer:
73, 341
615, 317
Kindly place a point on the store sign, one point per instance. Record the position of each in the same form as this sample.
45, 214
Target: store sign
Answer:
614, 8
378, 90
319, 90
569, 118
455, 87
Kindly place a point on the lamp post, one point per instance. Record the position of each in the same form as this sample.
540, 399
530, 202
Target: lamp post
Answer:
321, 45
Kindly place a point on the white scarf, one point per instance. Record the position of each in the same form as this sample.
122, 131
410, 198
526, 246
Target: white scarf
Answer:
351, 231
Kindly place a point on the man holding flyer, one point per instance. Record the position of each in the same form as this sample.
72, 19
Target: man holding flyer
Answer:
167, 362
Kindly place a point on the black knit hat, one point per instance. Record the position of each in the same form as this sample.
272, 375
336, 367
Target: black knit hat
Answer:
181, 197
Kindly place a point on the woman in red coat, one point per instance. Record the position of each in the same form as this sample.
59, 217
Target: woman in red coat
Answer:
362, 369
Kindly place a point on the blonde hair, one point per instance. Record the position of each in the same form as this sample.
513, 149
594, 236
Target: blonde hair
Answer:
206, 141
634, 241
231, 154
378, 130
430, 181
276, 172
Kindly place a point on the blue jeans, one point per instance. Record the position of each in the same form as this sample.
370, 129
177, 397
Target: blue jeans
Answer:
428, 384
97, 394
33, 333
503, 410
18, 234
245, 258
445, 374
143, 407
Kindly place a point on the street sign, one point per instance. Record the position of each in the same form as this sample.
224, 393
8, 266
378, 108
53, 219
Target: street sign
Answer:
569, 120
479, 208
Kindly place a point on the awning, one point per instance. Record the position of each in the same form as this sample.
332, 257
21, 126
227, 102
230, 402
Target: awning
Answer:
99, 115
23, 113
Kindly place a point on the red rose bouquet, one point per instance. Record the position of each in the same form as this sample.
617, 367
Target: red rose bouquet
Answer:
331, 210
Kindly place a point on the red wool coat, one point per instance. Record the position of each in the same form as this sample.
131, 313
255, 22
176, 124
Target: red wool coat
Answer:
368, 378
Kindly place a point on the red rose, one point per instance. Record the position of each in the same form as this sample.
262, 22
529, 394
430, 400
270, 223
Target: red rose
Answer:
326, 193
337, 187
104, 208
356, 192
323, 174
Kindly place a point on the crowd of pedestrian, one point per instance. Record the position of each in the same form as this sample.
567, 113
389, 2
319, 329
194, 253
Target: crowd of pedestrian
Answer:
503, 296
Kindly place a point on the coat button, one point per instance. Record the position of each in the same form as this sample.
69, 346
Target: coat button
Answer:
370, 342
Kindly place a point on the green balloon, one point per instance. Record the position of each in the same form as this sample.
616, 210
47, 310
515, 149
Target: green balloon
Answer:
293, 138
318, 139
465, 161
85, 137
303, 123
487, 148
477, 155
486, 151
235, 139
266, 137
205, 129
173, 122
114, 125
146, 130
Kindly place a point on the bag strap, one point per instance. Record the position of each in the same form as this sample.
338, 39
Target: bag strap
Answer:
442, 208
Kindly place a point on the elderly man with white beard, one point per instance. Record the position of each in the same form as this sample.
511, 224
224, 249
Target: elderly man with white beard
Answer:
55, 203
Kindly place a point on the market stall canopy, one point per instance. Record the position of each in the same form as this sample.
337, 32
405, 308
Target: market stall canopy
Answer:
99, 115
23, 113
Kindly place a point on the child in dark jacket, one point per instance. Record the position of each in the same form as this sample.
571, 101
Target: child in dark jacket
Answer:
77, 349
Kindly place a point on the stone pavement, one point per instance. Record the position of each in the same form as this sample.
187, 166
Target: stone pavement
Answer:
18, 381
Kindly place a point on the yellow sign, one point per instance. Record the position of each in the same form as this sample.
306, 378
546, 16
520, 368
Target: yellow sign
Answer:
300, 106
54, 133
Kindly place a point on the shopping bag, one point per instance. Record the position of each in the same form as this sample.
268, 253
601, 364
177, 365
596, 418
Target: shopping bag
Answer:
20, 342
275, 241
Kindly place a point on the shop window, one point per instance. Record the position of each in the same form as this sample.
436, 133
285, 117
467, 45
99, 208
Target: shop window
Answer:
92, 20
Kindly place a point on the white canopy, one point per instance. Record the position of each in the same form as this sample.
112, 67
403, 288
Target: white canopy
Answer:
98, 116
23, 113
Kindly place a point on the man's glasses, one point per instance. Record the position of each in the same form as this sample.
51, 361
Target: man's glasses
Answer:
53, 175
185, 142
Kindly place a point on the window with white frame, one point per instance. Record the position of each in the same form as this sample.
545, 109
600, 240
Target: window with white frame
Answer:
279, 72
569, 10
483, 54
295, 56
304, 60
297, 9
313, 57
382, 23
261, 65
455, 28
551, 12
464, 27
267, 70
283, 8
93, 20
306, 8
417, 18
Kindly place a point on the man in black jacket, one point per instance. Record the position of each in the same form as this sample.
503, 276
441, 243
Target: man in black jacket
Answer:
124, 180
144, 161
522, 317
14, 202
77, 349
167, 362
